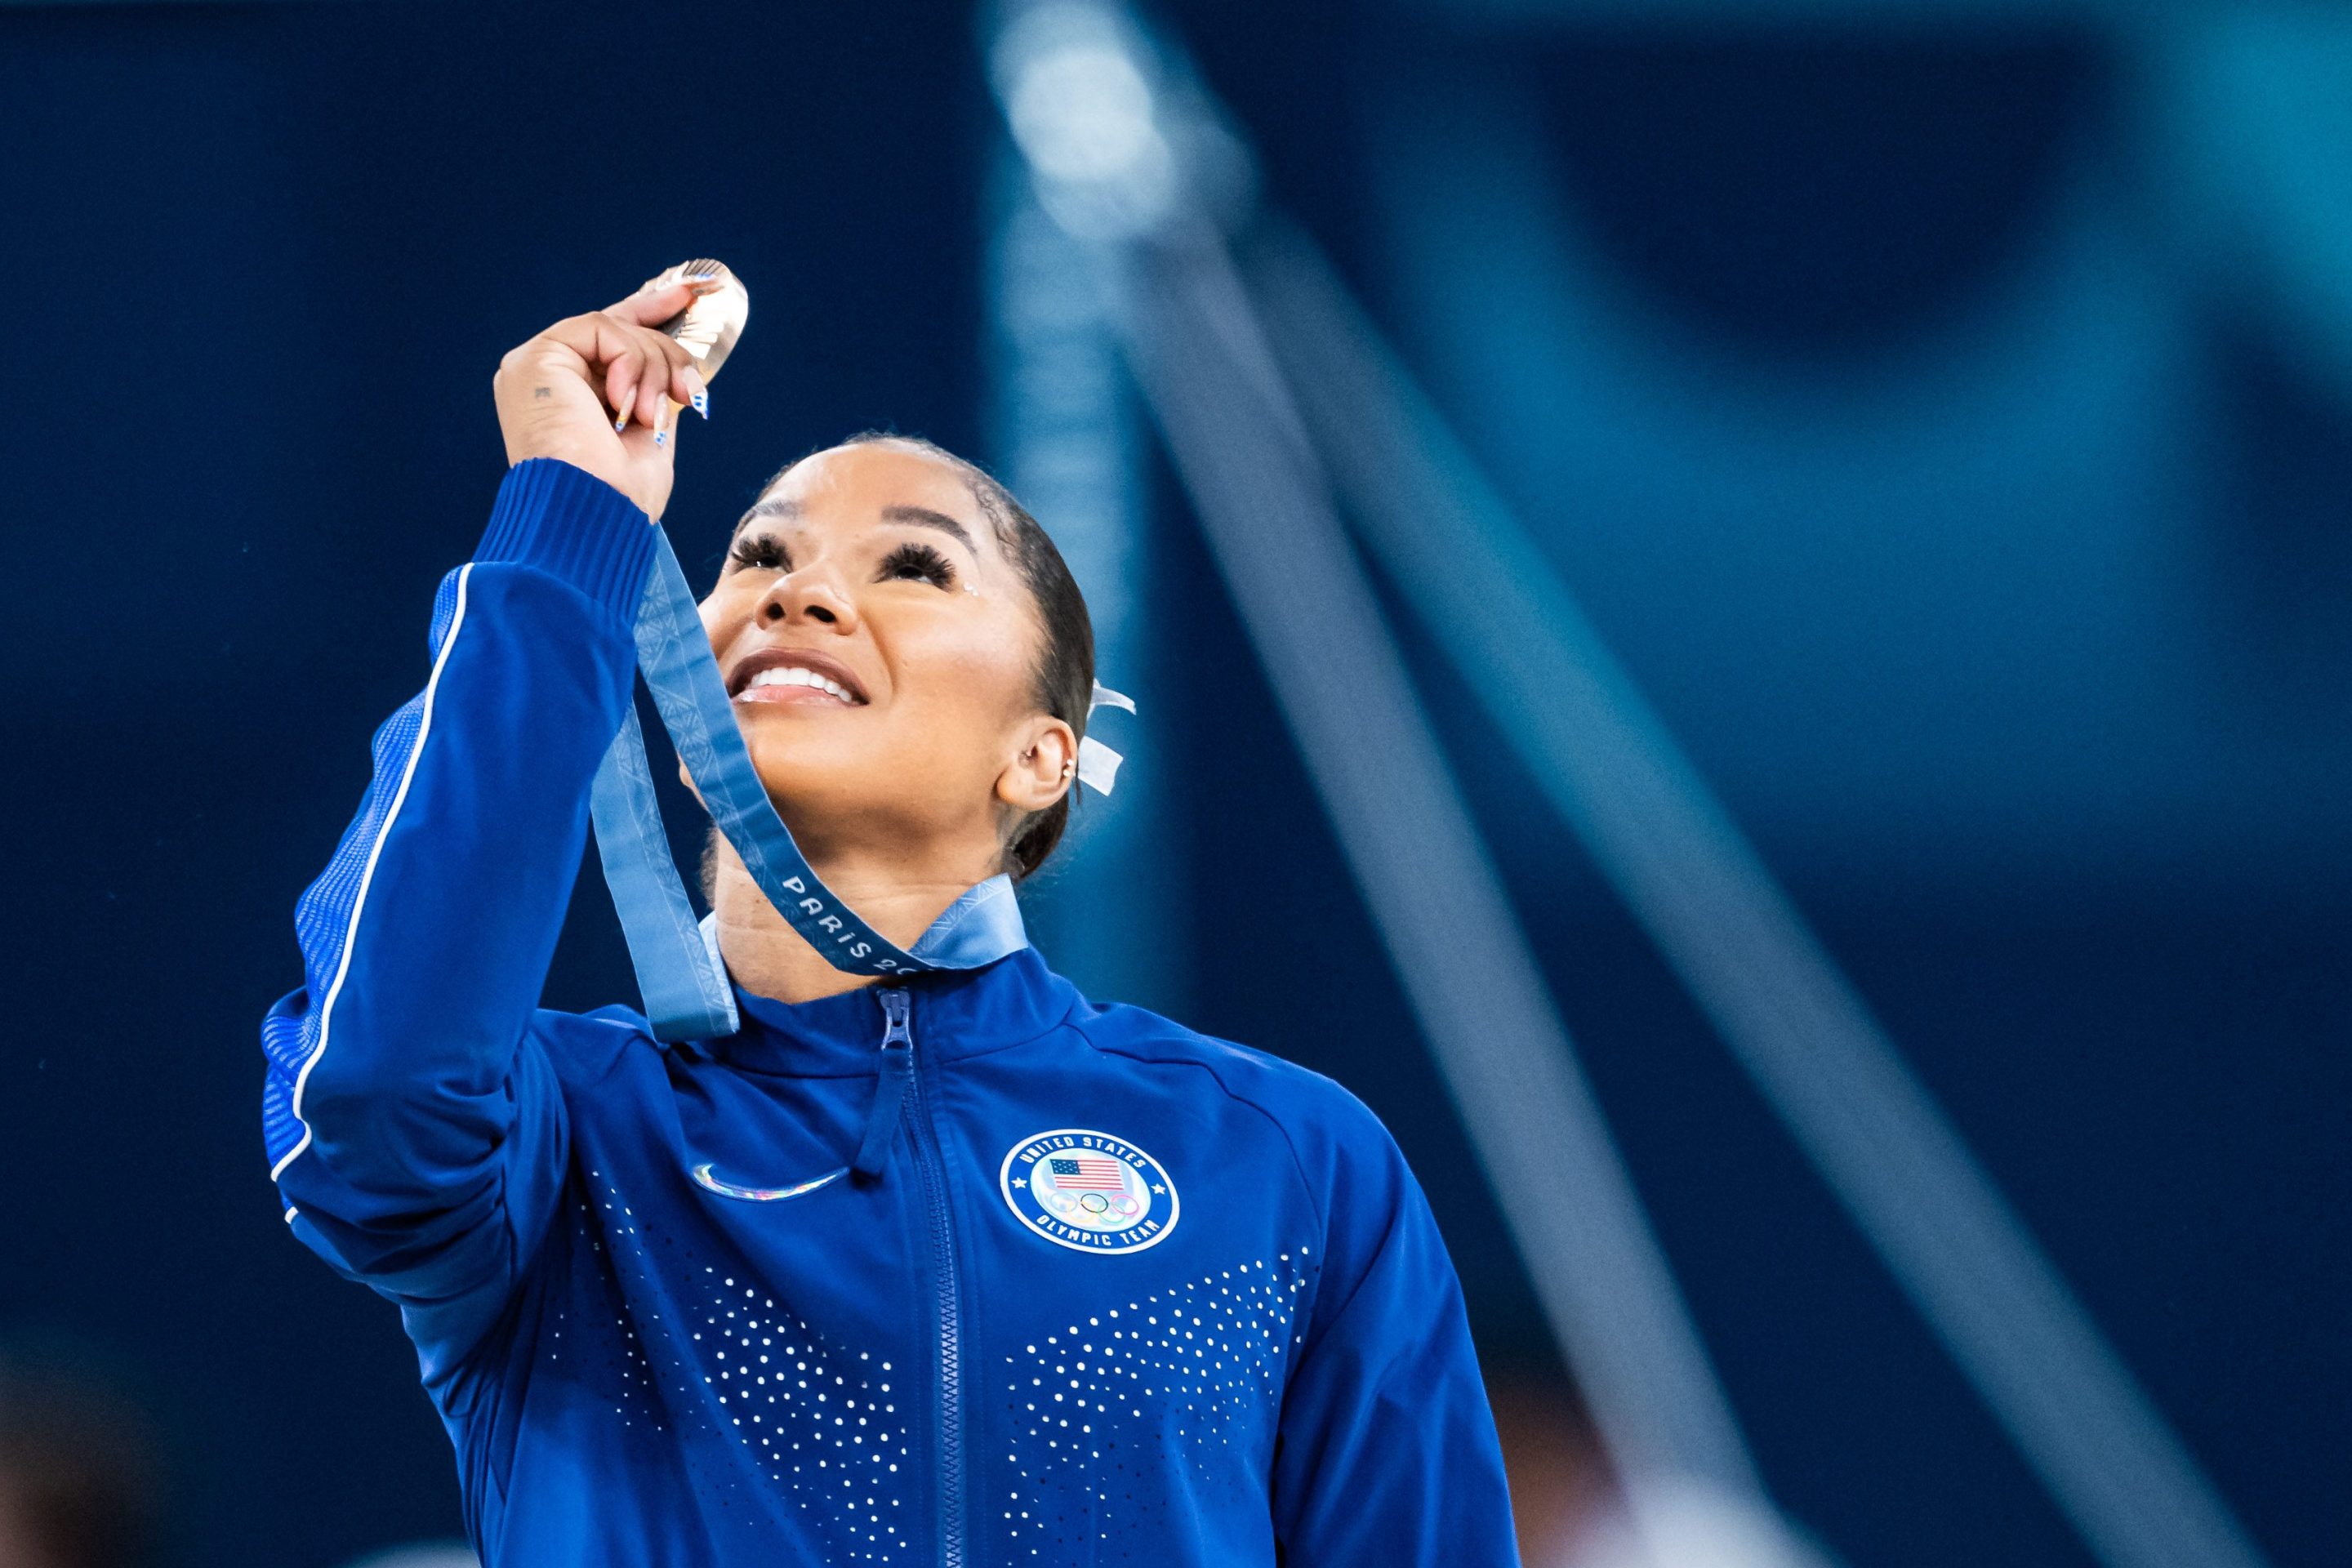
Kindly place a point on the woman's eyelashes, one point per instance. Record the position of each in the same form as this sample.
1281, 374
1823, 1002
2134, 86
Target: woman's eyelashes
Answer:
910, 561
918, 562
762, 552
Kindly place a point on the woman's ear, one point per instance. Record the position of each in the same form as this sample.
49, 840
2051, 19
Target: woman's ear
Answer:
1044, 769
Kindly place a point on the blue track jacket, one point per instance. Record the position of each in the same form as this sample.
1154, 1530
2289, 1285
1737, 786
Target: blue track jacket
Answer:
1119, 1293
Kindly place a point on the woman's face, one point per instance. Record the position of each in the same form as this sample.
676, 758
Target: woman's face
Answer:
881, 651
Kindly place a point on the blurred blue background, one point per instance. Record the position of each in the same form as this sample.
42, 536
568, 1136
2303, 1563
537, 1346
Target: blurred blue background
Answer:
1945, 409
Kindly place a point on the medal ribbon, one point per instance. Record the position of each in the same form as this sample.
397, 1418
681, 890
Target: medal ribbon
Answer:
684, 984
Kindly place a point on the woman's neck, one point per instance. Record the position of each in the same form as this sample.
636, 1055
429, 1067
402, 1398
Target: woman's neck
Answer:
768, 958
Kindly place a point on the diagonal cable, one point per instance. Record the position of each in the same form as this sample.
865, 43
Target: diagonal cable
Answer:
1413, 851
1607, 763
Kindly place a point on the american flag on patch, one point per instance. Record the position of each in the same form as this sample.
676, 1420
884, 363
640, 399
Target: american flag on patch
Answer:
1088, 1174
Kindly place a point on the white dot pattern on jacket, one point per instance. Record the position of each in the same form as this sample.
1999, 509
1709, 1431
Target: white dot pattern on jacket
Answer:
1158, 1372
823, 1424
1096, 1403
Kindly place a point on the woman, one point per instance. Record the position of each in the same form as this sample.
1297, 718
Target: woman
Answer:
1097, 1290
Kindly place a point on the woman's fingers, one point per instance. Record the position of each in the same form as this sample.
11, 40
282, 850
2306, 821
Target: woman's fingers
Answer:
674, 374
612, 367
653, 383
604, 352
621, 377
650, 307
682, 382
640, 369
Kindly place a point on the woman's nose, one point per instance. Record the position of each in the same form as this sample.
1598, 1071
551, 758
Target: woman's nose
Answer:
811, 596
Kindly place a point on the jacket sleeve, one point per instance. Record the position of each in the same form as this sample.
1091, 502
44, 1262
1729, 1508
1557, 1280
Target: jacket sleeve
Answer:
1387, 1457
413, 1123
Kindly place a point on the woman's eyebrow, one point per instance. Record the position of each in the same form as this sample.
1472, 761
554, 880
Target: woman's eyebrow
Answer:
924, 517
772, 507
920, 516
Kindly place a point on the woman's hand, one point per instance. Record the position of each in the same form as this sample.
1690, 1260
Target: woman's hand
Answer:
600, 390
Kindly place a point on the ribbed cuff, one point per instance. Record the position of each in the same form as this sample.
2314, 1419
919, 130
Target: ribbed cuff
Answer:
571, 525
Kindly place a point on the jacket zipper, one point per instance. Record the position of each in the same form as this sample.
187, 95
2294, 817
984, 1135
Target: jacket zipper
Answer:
897, 1010
889, 1089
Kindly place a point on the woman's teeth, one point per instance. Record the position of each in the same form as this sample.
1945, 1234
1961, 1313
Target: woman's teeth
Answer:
793, 674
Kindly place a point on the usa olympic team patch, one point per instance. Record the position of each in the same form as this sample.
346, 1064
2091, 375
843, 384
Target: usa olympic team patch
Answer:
1089, 1191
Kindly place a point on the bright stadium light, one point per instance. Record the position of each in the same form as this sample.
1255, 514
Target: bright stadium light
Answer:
1087, 118
1083, 114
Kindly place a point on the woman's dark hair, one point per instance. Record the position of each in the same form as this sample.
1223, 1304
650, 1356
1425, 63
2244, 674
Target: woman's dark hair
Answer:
1065, 676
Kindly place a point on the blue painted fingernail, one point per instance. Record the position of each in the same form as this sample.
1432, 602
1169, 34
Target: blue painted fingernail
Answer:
620, 425
661, 438
702, 404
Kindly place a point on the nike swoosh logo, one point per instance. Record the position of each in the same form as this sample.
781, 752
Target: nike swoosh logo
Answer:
701, 1173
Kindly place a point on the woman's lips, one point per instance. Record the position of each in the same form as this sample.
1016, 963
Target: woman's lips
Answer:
794, 696
794, 683
786, 674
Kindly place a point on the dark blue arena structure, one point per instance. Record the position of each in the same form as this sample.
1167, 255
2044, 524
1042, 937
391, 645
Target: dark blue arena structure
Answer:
1944, 414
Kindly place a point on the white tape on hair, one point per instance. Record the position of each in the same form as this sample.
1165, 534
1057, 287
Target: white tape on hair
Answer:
1097, 765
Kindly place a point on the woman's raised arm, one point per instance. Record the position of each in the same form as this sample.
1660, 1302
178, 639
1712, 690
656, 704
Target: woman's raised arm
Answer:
412, 1122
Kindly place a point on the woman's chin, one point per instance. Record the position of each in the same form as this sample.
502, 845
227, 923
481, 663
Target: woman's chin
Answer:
823, 783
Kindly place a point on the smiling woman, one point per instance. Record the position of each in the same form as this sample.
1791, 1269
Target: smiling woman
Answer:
943, 573
912, 667
957, 1268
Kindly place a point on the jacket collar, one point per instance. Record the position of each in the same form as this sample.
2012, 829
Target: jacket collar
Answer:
956, 1014
983, 925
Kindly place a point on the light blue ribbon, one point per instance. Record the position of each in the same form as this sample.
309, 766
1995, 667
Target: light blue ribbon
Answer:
684, 984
